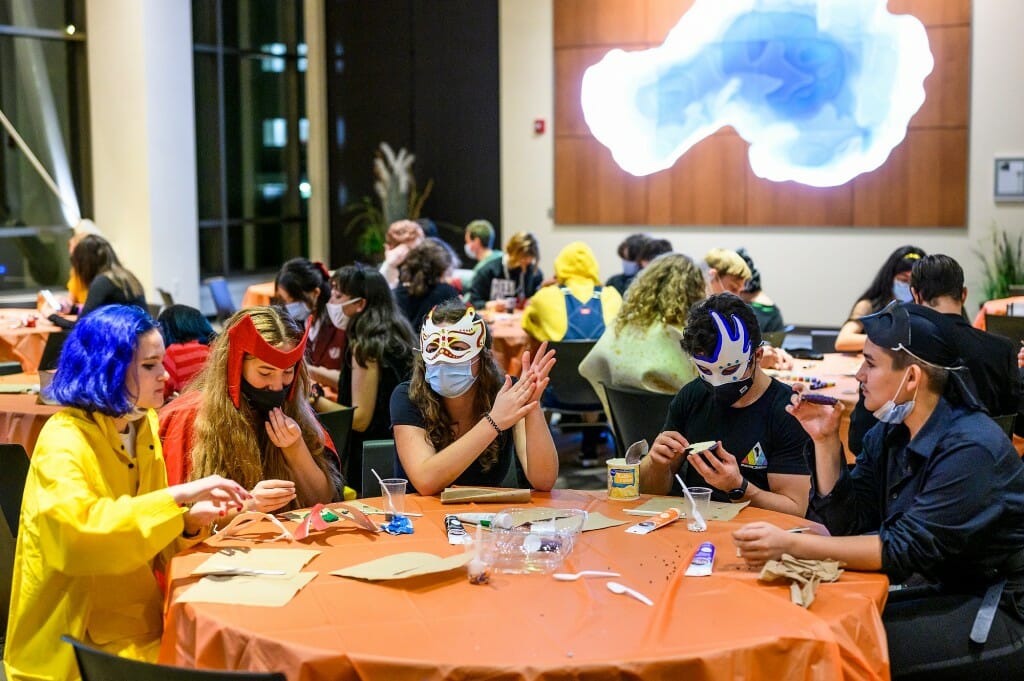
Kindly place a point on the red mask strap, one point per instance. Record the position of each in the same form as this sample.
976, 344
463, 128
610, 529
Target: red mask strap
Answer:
243, 338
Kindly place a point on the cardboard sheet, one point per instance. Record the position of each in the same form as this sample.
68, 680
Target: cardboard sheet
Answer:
485, 495
403, 565
719, 510
291, 561
263, 591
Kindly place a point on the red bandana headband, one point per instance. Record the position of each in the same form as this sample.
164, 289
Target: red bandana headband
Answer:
243, 338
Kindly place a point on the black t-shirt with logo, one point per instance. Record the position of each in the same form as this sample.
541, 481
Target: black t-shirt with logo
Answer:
762, 436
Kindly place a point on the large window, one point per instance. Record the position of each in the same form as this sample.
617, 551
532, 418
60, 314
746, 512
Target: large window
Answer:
44, 96
251, 134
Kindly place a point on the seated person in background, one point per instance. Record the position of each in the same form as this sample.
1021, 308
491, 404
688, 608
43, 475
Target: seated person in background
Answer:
480, 247
759, 457
402, 236
937, 494
725, 271
892, 282
107, 281
640, 348
247, 416
302, 287
423, 274
77, 291
514, 275
377, 359
187, 336
578, 308
769, 316
458, 422
628, 252
98, 517
651, 249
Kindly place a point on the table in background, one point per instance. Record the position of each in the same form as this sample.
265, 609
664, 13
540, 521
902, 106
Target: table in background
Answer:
258, 294
21, 417
531, 626
996, 307
510, 341
24, 343
838, 368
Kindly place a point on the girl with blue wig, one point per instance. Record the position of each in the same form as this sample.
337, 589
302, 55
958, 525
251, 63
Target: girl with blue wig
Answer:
98, 519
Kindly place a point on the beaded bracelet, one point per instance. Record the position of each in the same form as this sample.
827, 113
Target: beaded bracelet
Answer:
491, 421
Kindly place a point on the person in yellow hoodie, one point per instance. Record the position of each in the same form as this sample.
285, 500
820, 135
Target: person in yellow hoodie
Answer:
577, 308
98, 519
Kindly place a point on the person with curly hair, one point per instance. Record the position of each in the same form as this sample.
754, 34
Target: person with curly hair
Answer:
460, 421
246, 416
377, 359
424, 274
98, 518
641, 349
891, 282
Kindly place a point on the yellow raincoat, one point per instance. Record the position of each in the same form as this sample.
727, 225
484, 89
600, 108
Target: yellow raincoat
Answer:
545, 317
94, 522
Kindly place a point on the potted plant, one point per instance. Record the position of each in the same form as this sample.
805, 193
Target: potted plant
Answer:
1004, 264
398, 197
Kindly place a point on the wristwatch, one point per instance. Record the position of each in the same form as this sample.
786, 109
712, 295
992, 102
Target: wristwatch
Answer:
737, 494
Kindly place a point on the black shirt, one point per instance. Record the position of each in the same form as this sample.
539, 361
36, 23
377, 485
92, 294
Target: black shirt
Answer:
416, 308
620, 282
102, 291
948, 504
405, 413
526, 283
762, 436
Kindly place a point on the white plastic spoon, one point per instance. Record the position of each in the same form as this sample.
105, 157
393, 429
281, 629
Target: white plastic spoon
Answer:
617, 588
573, 576
698, 524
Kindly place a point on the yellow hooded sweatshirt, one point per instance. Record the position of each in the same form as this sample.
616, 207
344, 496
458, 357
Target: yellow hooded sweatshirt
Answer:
545, 317
94, 522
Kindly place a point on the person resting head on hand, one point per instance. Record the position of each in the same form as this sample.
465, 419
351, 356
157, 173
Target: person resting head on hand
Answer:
98, 517
459, 421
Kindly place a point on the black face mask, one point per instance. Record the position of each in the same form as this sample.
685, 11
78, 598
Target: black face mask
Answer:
264, 400
729, 394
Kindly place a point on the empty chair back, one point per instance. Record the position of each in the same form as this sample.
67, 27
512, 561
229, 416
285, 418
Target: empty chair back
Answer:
378, 455
99, 665
338, 425
1007, 327
636, 414
221, 295
567, 388
51, 350
1006, 422
166, 298
13, 471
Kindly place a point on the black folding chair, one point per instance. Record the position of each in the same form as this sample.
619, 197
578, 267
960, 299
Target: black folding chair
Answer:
636, 414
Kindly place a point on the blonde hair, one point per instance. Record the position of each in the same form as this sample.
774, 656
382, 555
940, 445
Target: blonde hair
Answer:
727, 262
663, 291
233, 442
521, 245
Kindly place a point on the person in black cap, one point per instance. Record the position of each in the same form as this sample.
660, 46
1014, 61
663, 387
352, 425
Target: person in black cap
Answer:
936, 498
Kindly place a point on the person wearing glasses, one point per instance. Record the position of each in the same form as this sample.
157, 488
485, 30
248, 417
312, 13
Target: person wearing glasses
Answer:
459, 420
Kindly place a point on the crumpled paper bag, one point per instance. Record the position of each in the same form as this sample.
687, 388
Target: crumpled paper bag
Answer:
804, 575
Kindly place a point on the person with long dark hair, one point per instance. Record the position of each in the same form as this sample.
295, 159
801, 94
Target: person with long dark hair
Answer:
460, 421
98, 518
378, 356
100, 272
891, 282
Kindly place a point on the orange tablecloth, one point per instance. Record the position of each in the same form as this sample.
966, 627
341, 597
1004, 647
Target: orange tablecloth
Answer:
725, 626
24, 343
258, 294
510, 341
21, 418
997, 306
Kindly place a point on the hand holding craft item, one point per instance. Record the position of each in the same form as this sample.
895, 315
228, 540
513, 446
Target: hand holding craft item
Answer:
804, 575
242, 523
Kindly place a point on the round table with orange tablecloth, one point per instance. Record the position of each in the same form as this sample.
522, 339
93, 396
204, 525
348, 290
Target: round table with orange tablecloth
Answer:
510, 340
23, 335
21, 416
725, 626
259, 294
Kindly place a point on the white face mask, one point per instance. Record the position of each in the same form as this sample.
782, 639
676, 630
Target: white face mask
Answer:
468, 251
890, 412
336, 311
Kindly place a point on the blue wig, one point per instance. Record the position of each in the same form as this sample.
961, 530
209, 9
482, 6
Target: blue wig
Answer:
94, 363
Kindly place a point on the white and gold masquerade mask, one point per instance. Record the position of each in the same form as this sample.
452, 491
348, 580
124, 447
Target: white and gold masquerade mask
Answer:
729, 361
454, 344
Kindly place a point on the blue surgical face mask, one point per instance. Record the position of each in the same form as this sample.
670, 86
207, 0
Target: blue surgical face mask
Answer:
298, 311
890, 412
629, 268
901, 291
450, 380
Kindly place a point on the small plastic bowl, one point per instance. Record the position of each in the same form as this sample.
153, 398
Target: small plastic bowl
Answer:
524, 540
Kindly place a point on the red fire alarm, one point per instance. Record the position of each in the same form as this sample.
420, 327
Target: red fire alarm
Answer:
538, 126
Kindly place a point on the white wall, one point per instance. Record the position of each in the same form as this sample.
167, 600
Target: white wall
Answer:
814, 274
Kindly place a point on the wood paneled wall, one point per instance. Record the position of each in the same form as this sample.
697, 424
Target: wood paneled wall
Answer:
923, 182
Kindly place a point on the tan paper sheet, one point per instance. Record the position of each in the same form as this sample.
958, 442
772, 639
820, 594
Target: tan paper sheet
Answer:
484, 495
719, 510
289, 560
271, 592
403, 565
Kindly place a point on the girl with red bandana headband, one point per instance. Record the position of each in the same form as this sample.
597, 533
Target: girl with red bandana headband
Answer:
247, 417
459, 421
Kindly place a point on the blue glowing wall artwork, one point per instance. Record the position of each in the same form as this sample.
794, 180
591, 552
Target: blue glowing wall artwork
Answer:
822, 90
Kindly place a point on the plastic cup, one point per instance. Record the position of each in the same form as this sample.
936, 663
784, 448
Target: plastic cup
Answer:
510, 305
623, 480
393, 491
702, 499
